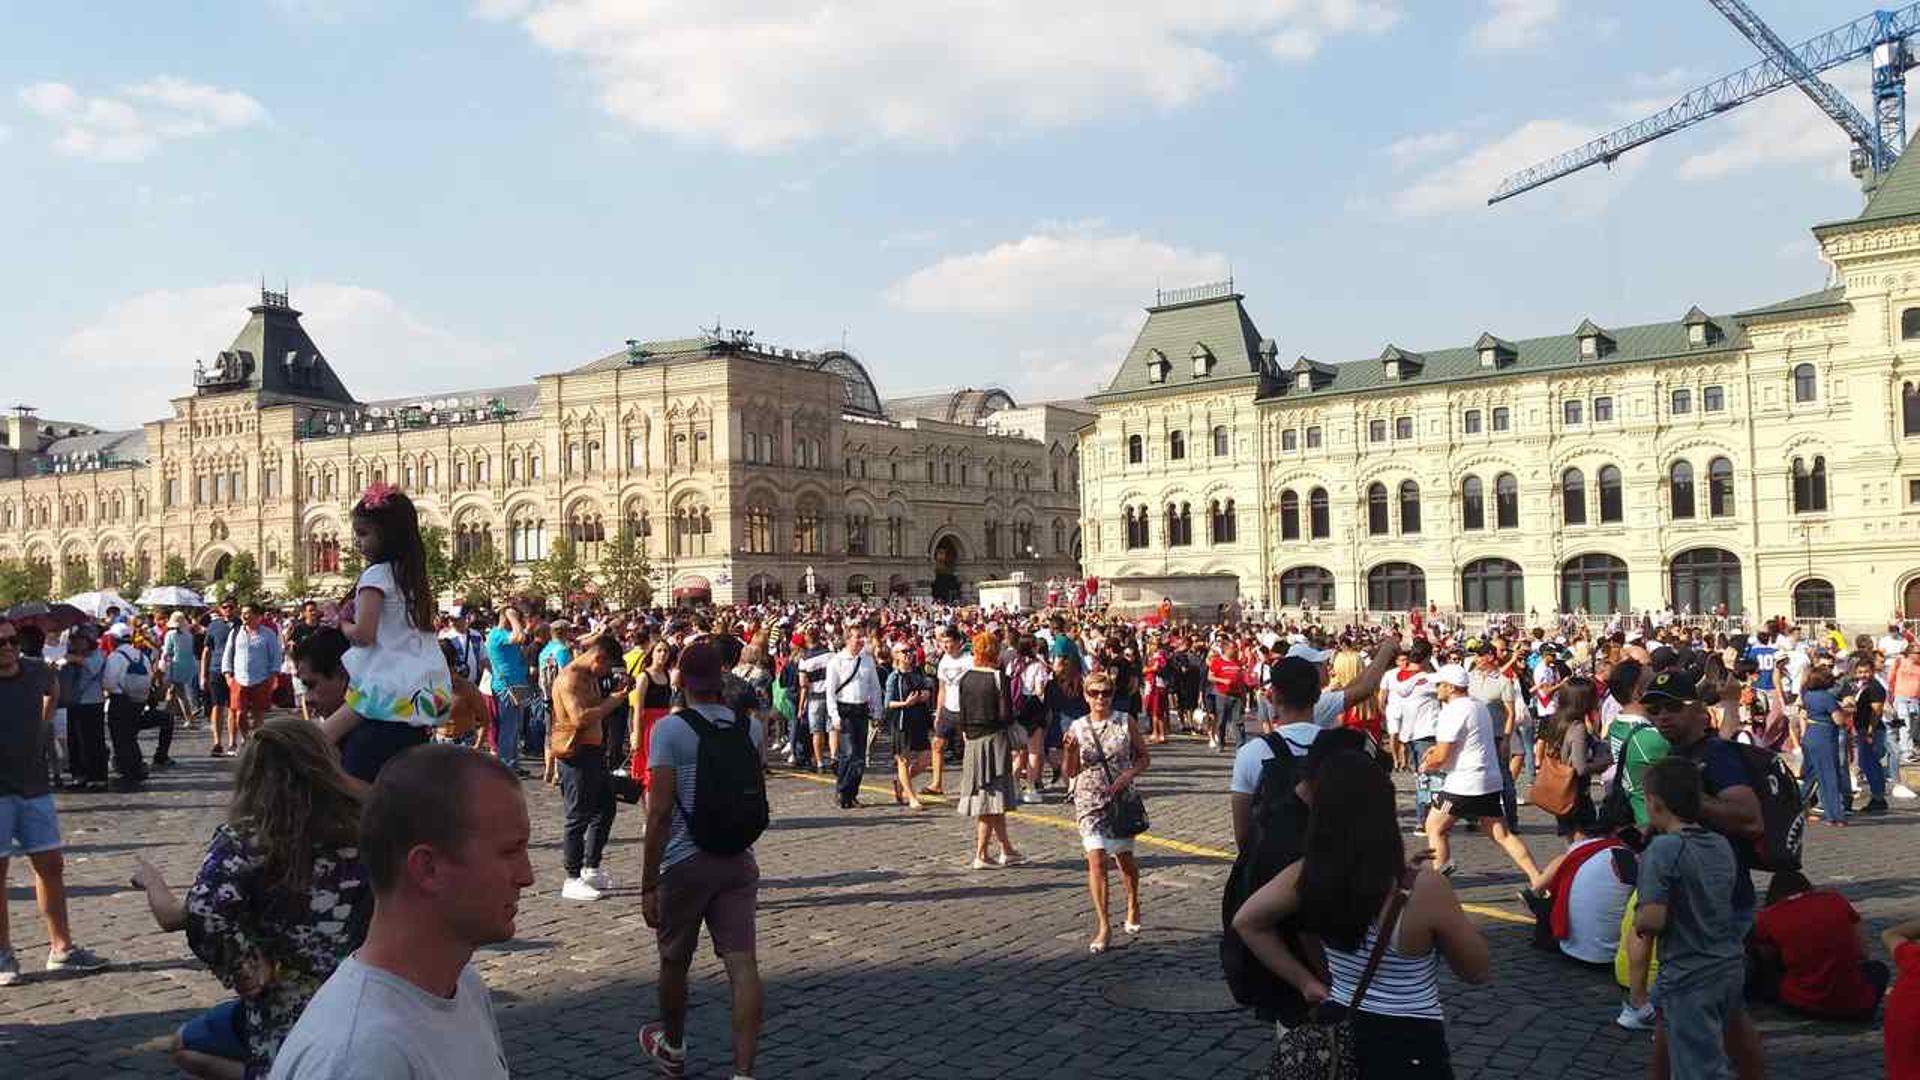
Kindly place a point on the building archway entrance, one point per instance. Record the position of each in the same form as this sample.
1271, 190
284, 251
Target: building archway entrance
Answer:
221, 565
1910, 599
946, 570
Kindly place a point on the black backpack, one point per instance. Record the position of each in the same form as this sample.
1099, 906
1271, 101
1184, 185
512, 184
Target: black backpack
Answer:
729, 787
1276, 832
1783, 815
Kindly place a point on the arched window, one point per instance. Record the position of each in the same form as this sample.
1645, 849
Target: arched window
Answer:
1719, 487
1473, 504
1492, 585
1680, 490
470, 538
1221, 444
1573, 497
1813, 598
1319, 523
759, 526
1409, 507
1703, 579
1176, 445
1307, 586
1136, 522
809, 534
1396, 586
1289, 515
586, 531
1910, 324
1596, 584
1378, 523
1136, 450
1179, 524
526, 538
1910, 403
1809, 486
1804, 388
1506, 502
323, 553
1611, 508
1226, 528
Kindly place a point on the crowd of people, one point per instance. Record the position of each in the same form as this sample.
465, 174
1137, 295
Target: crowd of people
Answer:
378, 835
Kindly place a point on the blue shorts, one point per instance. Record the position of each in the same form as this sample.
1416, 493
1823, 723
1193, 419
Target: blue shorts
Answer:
29, 826
220, 1031
817, 719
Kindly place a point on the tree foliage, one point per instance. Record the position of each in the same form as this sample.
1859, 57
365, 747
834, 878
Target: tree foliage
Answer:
174, 572
21, 581
483, 578
242, 583
76, 577
440, 570
625, 572
561, 576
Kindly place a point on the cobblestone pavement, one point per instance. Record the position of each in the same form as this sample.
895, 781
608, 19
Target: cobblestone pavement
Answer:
884, 955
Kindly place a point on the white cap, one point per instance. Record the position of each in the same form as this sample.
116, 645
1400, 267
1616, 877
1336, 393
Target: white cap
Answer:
1452, 675
120, 630
1303, 651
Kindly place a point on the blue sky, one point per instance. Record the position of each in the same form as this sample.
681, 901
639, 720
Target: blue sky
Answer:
986, 192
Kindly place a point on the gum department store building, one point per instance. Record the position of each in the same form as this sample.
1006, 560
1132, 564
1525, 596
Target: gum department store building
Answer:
1767, 460
748, 472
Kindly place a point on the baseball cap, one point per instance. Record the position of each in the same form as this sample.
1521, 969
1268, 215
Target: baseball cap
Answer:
1477, 646
700, 667
1451, 674
1300, 650
1672, 686
120, 630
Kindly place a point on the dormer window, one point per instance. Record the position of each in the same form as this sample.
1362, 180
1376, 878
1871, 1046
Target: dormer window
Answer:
1157, 366
1303, 381
1401, 364
1202, 360
1701, 329
1495, 352
1308, 375
1594, 342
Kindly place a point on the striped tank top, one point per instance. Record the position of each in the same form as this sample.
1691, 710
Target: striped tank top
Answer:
1403, 986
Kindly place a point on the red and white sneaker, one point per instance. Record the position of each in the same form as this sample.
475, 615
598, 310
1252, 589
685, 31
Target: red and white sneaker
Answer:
671, 1059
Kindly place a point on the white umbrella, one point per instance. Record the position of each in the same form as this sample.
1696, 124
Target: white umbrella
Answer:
171, 596
95, 604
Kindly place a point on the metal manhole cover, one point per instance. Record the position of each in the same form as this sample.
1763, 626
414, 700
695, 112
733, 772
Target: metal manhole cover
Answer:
1175, 996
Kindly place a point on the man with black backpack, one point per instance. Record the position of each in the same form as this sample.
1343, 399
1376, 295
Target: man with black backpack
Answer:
710, 805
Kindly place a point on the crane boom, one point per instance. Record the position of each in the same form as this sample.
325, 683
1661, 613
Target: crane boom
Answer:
1882, 34
1831, 101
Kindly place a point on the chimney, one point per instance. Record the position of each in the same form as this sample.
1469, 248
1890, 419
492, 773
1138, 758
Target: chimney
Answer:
23, 430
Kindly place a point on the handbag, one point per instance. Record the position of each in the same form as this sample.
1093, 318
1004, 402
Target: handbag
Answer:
1323, 1047
1126, 813
1554, 785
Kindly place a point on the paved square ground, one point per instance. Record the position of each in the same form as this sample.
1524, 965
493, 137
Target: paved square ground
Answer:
884, 955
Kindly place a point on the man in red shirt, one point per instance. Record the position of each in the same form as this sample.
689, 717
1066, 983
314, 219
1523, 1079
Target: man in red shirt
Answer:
1227, 679
1901, 1025
1813, 943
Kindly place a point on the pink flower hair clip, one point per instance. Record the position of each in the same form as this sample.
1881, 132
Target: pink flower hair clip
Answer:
377, 494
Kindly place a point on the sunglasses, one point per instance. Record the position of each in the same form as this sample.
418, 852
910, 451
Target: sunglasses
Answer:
1661, 708
1100, 693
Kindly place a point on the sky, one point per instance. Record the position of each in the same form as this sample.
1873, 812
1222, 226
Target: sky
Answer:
468, 193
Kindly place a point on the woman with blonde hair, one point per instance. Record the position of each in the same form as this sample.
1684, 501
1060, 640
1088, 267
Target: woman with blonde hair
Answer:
986, 768
1365, 714
280, 900
1105, 754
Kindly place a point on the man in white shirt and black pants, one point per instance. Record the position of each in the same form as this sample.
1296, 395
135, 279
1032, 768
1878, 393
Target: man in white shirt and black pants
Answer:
1465, 750
853, 699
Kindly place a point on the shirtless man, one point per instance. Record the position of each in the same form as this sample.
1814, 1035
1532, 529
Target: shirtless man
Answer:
578, 738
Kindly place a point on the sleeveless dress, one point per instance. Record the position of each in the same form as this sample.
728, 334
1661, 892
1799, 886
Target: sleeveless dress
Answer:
402, 677
652, 700
1110, 742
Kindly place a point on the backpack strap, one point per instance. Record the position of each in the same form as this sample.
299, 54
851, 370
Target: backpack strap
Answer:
1388, 926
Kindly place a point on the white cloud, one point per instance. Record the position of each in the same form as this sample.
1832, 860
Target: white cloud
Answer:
1465, 182
1515, 24
1412, 148
144, 348
1077, 266
1782, 128
769, 75
140, 119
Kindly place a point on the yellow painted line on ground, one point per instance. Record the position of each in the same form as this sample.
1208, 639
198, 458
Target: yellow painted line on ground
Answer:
1148, 839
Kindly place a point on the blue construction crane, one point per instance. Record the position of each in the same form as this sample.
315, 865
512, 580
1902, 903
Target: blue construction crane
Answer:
1877, 143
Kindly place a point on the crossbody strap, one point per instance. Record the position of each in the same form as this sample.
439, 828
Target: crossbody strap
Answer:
1387, 928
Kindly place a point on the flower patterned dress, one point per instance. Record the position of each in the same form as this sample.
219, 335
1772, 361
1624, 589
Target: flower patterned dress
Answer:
1110, 741
235, 915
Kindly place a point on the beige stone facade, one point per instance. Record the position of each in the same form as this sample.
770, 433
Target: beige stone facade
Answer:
741, 468
1766, 460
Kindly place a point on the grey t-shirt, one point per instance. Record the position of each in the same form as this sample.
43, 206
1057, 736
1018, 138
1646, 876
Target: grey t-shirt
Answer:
23, 731
676, 747
369, 1024
1492, 690
1691, 872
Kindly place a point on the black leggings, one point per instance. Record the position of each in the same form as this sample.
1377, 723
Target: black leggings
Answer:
1400, 1048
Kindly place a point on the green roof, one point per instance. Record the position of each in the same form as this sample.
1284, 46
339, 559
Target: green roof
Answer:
1834, 299
1561, 352
1210, 317
1896, 198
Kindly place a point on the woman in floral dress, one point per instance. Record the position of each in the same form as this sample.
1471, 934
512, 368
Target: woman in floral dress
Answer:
280, 899
1104, 755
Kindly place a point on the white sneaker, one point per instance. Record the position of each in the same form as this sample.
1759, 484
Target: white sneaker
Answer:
1902, 791
1030, 796
1640, 1019
577, 889
597, 878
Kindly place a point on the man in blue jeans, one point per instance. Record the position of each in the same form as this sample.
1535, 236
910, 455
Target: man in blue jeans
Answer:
512, 688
